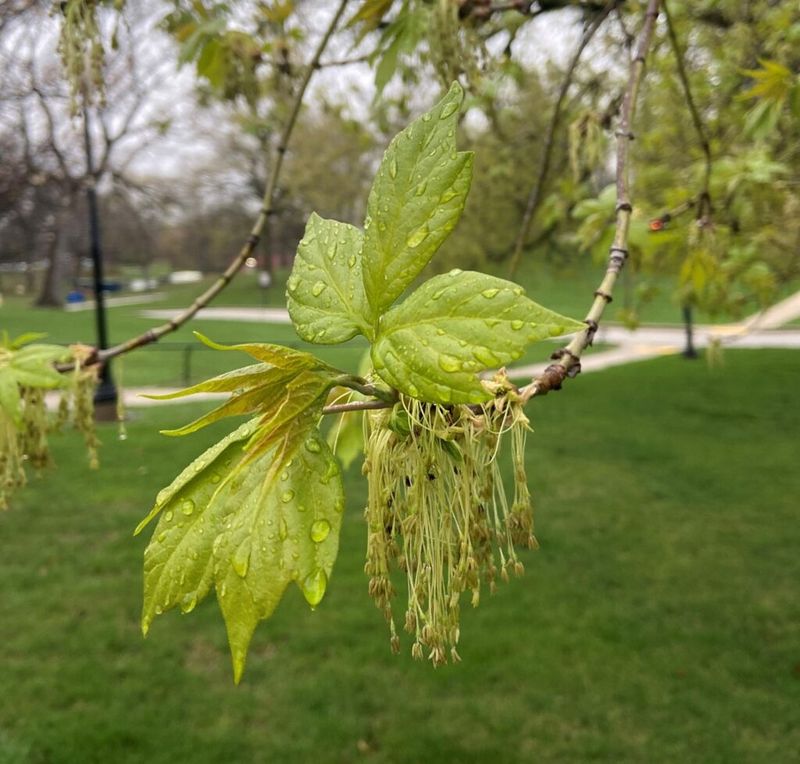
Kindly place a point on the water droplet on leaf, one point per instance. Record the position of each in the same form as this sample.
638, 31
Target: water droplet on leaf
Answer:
287, 496
448, 363
417, 237
241, 558
317, 289
320, 530
314, 587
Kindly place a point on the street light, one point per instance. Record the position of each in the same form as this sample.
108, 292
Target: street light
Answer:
106, 391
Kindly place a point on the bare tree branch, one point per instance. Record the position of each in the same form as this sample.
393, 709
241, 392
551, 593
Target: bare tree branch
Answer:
568, 359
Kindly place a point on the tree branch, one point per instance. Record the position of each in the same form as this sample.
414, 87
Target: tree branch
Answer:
568, 359
704, 205
535, 196
260, 227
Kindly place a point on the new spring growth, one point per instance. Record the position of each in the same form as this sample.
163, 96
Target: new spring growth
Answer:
438, 511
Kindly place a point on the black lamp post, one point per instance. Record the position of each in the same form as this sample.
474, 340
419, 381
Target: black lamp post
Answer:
106, 391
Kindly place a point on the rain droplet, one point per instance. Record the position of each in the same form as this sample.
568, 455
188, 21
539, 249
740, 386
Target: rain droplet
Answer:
393, 168
449, 363
351, 261
313, 446
188, 602
284, 475
215, 478
425, 118
314, 587
418, 236
449, 108
320, 530
316, 290
455, 272
161, 536
489, 293
168, 515
437, 294
293, 282
241, 558
420, 189
283, 529
413, 391
447, 196
516, 324
187, 506
485, 356
287, 496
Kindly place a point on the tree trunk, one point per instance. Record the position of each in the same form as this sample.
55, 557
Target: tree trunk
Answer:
49, 296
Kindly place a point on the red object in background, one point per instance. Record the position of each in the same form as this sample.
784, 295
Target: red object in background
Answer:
656, 224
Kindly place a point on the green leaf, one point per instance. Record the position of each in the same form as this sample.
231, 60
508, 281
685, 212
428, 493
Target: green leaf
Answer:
25, 339
325, 293
275, 355
10, 400
415, 202
248, 527
285, 528
279, 395
205, 466
32, 365
433, 344
178, 567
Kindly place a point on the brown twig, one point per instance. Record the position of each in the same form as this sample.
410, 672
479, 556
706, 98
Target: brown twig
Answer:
260, 227
535, 196
567, 360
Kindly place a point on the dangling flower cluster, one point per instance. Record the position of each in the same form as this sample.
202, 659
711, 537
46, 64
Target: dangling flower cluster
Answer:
76, 406
24, 428
438, 511
81, 46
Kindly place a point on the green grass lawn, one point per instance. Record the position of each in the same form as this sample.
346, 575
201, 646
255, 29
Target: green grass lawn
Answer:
659, 622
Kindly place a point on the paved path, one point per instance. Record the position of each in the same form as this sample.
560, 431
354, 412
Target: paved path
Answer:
758, 331
255, 315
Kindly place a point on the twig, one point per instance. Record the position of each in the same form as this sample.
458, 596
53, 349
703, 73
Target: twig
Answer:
535, 196
567, 360
260, 227
704, 205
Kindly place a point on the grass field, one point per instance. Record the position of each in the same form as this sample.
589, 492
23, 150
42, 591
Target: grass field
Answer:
659, 622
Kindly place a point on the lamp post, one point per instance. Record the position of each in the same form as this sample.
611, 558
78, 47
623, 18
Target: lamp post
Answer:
106, 391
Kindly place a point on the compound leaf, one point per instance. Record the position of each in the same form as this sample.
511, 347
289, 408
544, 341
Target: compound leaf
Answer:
415, 202
325, 293
433, 344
